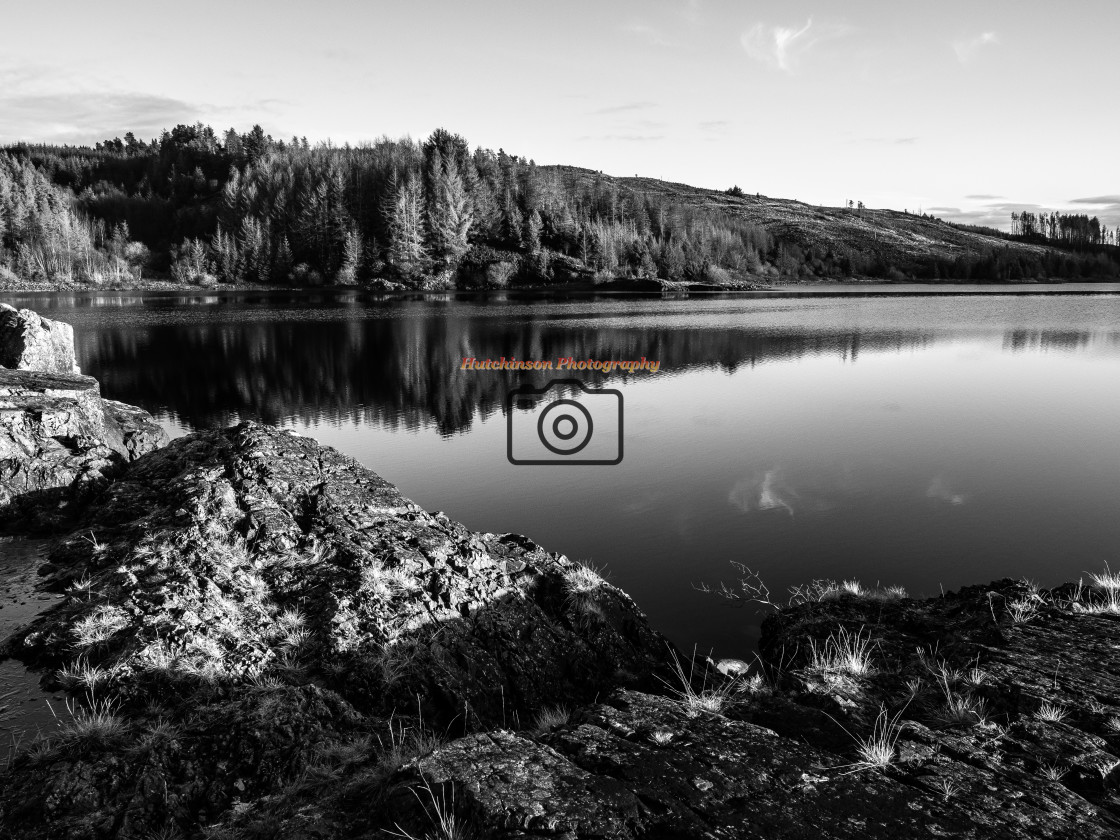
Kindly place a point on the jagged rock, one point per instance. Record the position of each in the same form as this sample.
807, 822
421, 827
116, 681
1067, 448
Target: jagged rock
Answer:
59, 441
222, 548
31, 342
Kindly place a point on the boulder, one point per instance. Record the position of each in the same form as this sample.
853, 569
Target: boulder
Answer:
59, 441
30, 342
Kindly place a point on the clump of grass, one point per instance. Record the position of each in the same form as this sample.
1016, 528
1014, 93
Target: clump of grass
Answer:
853, 587
290, 628
1107, 580
843, 652
1023, 609
661, 737
975, 677
81, 674
705, 699
878, 749
1104, 602
947, 788
958, 709
405, 745
1053, 772
96, 723
582, 584
81, 589
441, 814
551, 717
896, 591
1113, 724
99, 626
383, 582
1051, 713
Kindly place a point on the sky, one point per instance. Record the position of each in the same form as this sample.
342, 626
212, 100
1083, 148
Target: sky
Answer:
966, 110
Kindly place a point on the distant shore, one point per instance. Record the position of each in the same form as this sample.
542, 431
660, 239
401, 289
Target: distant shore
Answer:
855, 286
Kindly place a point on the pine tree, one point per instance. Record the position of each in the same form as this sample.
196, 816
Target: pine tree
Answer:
407, 252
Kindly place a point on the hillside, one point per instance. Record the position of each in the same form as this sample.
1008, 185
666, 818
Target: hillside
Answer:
396, 214
889, 236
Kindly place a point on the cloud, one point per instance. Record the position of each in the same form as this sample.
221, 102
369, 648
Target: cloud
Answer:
87, 117
943, 490
650, 34
784, 47
759, 493
715, 125
1098, 199
624, 108
966, 48
627, 138
983, 197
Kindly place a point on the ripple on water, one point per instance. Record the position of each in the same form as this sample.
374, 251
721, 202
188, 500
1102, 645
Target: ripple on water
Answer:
24, 709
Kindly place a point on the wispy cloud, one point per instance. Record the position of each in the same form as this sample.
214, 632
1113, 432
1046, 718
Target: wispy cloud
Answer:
1097, 199
715, 125
785, 47
627, 138
624, 107
966, 48
650, 34
984, 197
892, 141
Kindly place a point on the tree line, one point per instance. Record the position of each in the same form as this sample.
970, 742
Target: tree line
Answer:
232, 207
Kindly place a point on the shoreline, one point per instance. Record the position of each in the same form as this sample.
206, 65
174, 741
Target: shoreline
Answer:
790, 290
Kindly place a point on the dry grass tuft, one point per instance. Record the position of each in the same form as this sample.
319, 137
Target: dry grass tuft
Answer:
843, 652
551, 717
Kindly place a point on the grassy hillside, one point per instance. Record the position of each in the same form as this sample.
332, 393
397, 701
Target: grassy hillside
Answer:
904, 240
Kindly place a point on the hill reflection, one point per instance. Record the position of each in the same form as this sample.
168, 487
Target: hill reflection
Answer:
405, 372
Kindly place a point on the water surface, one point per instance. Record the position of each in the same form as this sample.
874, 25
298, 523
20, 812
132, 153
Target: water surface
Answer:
927, 441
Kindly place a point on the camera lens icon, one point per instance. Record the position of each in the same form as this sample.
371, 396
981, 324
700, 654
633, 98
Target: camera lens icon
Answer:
565, 427
564, 423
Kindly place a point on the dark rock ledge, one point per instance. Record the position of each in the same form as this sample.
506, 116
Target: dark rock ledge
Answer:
264, 639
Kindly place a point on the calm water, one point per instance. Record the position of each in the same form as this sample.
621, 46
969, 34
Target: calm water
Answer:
923, 441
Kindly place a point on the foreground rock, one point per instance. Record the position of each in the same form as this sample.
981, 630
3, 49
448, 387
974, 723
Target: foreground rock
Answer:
31, 342
59, 442
253, 597
268, 640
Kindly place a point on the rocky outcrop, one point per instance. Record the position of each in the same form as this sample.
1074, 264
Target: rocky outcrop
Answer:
271, 641
253, 569
231, 553
59, 440
31, 342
